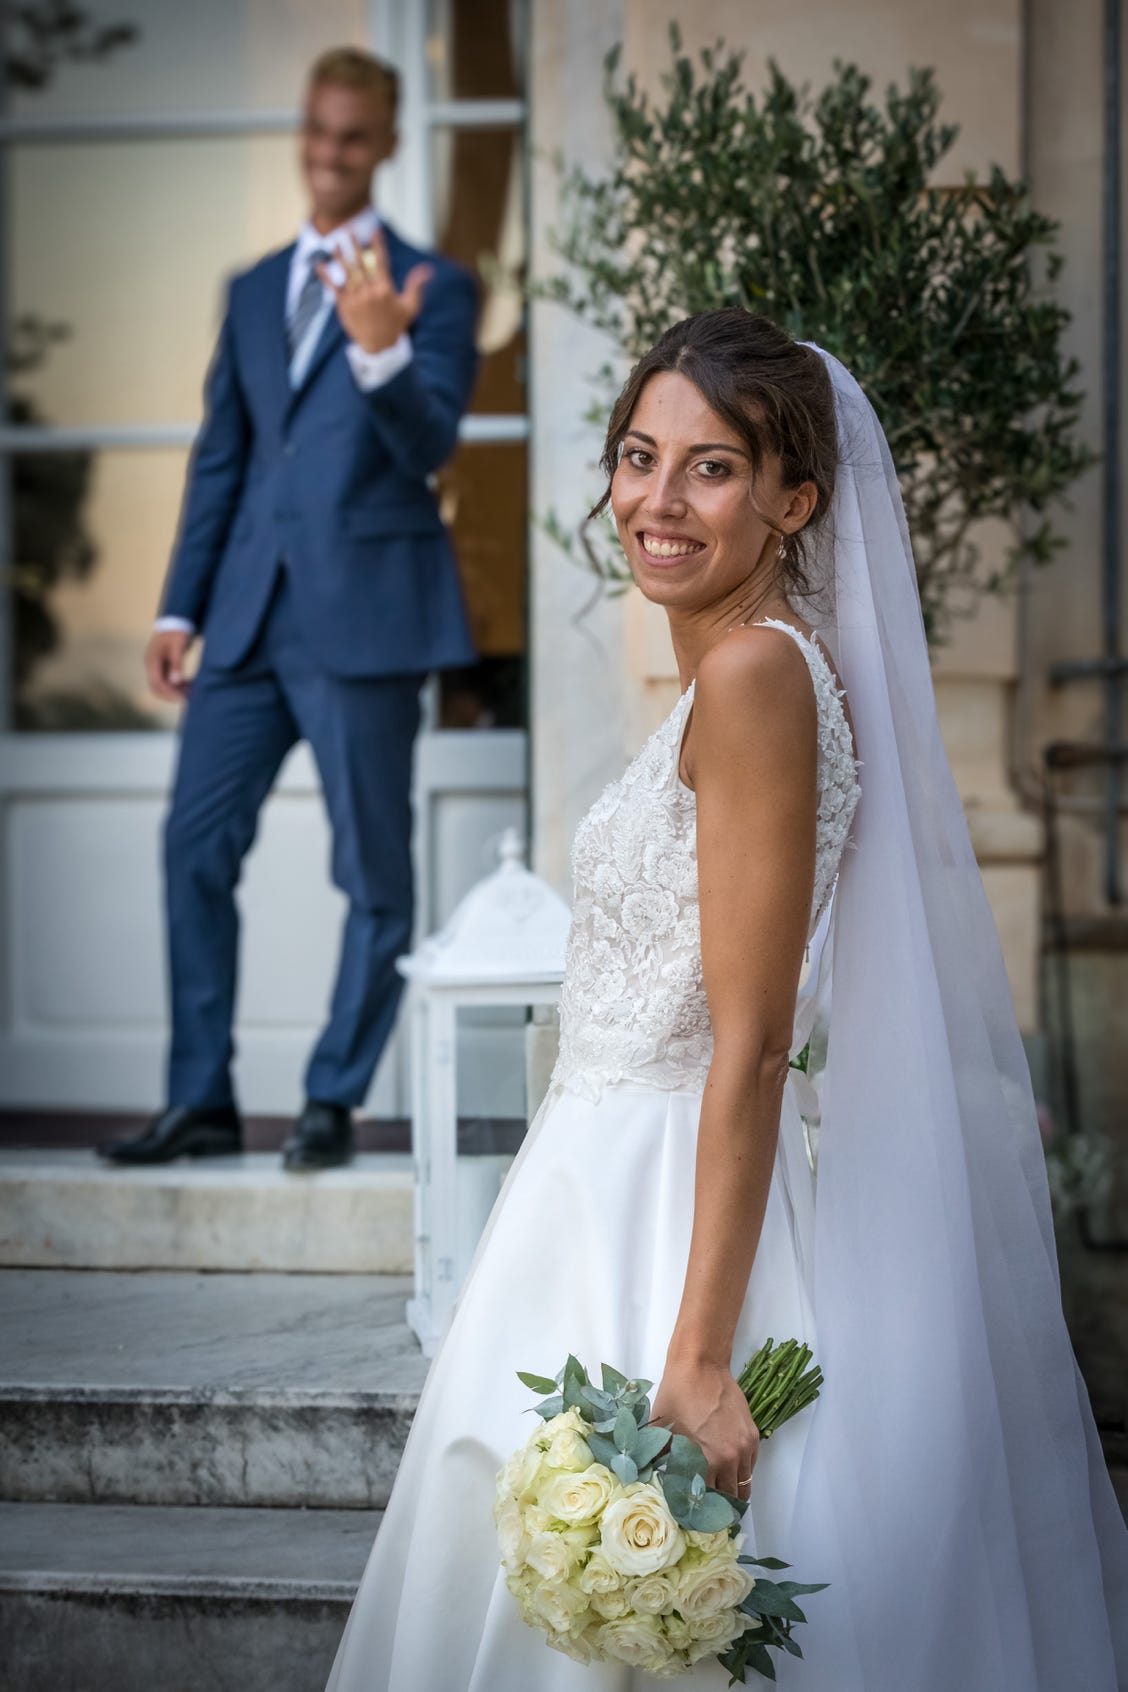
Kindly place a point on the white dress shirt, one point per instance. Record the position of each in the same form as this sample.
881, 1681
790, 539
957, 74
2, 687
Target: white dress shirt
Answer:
370, 370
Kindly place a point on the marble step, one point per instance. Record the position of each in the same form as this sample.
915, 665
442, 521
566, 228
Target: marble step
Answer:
69, 1209
128, 1598
213, 1389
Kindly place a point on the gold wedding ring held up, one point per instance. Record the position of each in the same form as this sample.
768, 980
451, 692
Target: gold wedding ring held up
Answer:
369, 262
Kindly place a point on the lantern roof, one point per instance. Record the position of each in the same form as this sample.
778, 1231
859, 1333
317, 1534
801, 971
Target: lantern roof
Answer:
511, 927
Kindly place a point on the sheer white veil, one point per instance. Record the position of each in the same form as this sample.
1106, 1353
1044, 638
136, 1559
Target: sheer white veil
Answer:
953, 1454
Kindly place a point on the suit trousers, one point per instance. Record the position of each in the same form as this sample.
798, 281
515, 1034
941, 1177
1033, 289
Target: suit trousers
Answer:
238, 726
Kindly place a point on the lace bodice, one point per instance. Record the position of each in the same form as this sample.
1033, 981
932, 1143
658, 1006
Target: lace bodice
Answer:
633, 1002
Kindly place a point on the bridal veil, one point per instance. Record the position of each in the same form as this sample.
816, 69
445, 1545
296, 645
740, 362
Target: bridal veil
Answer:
953, 1489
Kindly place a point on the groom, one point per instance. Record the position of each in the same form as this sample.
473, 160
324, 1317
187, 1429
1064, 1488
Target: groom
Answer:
312, 562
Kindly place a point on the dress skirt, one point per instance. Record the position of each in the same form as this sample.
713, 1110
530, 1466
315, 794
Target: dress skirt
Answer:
585, 1250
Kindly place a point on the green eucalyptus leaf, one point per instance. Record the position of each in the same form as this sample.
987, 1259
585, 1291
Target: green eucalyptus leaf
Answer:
626, 1430
686, 1457
602, 1401
624, 1465
760, 1660
766, 1599
678, 1501
613, 1381
710, 1514
539, 1383
648, 1443
603, 1450
570, 1398
574, 1370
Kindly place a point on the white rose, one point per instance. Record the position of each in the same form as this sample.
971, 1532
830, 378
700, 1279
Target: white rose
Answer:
574, 1645
518, 1477
653, 1594
555, 1555
579, 1497
718, 1583
560, 1604
673, 1670
564, 1421
678, 1632
569, 1450
611, 1604
521, 1585
637, 1640
638, 1533
512, 1535
723, 1629
598, 1575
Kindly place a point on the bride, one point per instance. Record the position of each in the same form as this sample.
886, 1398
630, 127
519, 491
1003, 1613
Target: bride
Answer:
669, 1208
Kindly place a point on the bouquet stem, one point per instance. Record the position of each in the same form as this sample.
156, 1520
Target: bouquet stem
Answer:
778, 1383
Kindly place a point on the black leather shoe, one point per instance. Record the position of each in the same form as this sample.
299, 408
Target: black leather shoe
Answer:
177, 1132
322, 1137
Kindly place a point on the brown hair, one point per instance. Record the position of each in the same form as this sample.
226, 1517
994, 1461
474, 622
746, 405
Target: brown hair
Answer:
774, 393
352, 67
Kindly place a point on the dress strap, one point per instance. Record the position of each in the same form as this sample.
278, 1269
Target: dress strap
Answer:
823, 677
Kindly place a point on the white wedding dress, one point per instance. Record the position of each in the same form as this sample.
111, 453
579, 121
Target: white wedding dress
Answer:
586, 1247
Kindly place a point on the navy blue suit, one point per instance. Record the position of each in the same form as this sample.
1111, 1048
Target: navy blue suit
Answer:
312, 556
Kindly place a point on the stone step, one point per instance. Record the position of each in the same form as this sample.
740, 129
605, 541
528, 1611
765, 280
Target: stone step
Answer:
214, 1389
69, 1209
128, 1598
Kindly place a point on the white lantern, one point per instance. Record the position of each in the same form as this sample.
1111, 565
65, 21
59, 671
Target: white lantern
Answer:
504, 945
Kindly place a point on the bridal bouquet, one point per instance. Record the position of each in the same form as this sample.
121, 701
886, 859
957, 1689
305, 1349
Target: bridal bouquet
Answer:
614, 1546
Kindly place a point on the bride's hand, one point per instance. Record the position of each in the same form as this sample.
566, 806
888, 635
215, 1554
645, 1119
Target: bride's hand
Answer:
704, 1402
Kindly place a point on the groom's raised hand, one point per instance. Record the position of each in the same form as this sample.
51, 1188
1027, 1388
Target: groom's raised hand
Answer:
372, 311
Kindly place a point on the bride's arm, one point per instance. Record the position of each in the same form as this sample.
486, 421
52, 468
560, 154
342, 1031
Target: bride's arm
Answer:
754, 748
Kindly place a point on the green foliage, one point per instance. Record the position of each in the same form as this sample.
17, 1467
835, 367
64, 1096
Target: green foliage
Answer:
820, 211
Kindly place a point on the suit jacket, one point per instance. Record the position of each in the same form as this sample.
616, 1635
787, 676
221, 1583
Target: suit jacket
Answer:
330, 480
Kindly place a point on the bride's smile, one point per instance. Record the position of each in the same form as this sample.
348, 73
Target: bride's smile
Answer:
701, 509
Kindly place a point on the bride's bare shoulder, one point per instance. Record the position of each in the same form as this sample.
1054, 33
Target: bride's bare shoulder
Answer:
752, 700
749, 662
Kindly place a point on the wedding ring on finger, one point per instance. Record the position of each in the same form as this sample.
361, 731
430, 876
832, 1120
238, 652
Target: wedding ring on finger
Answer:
369, 262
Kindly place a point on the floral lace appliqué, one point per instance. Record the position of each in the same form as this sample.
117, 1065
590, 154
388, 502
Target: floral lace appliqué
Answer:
633, 1005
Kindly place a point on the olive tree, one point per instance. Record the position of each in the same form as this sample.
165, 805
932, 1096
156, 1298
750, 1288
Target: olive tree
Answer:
823, 212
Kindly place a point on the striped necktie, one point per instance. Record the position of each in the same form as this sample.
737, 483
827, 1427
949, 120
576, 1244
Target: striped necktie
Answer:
309, 301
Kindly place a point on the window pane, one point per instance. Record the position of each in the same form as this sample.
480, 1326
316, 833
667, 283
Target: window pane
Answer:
124, 247
93, 532
480, 219
476, 49
484, 499
212, 55
92, 536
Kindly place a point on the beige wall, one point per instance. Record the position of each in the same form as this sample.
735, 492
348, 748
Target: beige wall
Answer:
1061, 608
975, 45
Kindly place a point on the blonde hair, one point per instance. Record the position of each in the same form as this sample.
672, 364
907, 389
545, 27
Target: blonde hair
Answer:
352, 67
